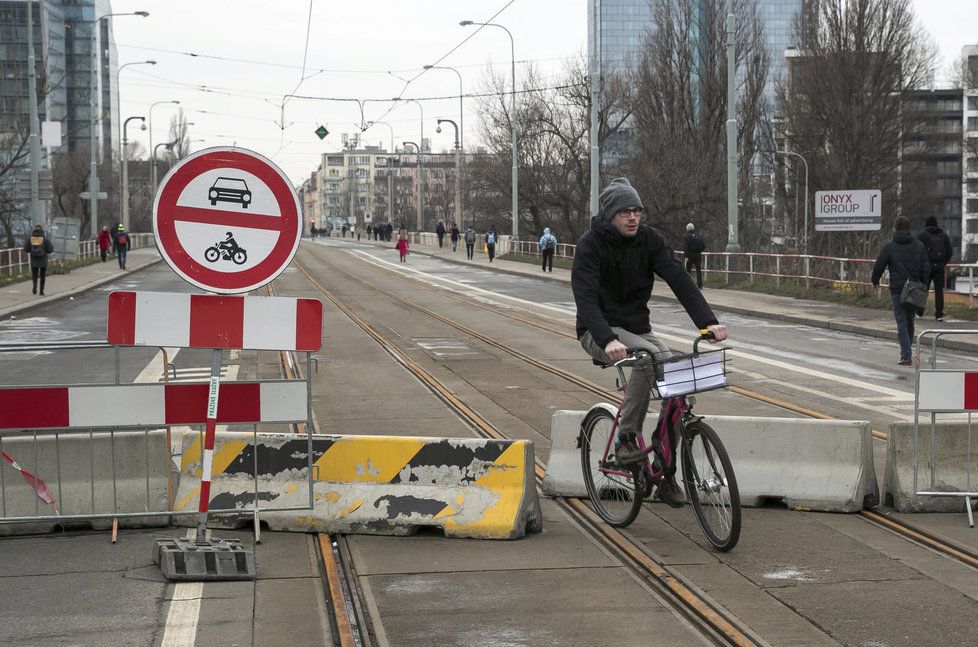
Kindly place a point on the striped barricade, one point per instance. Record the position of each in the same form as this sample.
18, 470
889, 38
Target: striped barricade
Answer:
388, 485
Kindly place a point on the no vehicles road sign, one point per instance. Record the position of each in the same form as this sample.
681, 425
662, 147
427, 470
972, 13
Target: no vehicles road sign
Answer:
848, 210
227, 220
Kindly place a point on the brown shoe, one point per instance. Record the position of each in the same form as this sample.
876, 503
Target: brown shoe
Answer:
669, 492
627, 452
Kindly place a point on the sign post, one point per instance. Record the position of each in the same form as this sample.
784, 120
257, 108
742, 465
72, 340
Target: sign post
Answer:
848, 210
228, 221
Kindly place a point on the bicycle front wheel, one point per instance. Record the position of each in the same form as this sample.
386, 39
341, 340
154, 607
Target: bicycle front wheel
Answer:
711, 486
615, 493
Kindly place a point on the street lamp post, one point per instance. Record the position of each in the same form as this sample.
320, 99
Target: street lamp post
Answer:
93, 184
460, 138
125, 171
420, 166
798, 155
390, 173
419, 180
512, 49
168, 146
458, 171
152, 151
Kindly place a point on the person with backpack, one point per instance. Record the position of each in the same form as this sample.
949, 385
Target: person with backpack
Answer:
548, 247
469, 242
122, 243
906, 258
491, 242
104, 241
693, 246
939, 252
38, 247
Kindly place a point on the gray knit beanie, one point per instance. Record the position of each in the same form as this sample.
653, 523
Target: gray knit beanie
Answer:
618, 195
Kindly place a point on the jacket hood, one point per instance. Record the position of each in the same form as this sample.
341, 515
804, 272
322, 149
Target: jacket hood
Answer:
903, 237
546, 231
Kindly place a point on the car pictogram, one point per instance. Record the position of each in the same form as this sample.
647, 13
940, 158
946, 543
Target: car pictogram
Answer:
229, 189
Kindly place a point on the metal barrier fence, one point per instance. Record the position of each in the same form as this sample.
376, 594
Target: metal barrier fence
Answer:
15, 261
110, 472
948, 391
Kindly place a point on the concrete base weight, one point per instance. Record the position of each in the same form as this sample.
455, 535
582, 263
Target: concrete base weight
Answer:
218, 559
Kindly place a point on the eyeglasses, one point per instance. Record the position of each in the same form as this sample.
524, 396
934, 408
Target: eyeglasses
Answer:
632, 210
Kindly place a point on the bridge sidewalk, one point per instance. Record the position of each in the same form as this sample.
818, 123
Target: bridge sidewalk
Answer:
819, 314
17, 297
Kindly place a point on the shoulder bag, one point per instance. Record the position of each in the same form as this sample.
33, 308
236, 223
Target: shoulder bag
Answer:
914, 293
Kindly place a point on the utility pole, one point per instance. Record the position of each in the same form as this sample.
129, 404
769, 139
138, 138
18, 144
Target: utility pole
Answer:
595, 102
733, 242
37, 209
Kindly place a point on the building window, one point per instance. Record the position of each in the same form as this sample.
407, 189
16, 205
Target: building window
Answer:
972, 205
972, 226
334, 160
972, 123
972, 186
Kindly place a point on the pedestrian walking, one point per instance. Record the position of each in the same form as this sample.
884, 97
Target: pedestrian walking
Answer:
440, 232
121, 243
693, 246
469, 242
548, 247
104, 241
491, 242
370, 231
38, 246
402, 233
454, 236
939, 252
402, 248
906, 258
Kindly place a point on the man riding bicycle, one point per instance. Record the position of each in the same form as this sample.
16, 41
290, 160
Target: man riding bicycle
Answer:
612, 279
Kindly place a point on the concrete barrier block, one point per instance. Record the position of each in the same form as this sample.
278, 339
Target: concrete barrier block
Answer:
824, 465
65, 462
388, 485
951, 475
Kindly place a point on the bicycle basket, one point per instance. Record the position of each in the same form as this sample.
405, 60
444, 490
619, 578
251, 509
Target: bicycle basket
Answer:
704, 371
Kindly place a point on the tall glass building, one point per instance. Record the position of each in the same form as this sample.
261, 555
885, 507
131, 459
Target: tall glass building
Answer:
80, 18
49, 60
624, 24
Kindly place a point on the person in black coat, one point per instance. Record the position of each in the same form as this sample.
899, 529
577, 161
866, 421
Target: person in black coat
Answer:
612, 279
38, 247
906, 257
693, 247
939, 251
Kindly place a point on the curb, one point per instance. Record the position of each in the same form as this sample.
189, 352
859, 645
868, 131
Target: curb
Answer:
61, 296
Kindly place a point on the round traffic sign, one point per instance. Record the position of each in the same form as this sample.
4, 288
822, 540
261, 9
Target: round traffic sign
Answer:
227, 220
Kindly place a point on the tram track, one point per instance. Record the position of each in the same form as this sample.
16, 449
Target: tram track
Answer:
702, 612
878, 516
347, 617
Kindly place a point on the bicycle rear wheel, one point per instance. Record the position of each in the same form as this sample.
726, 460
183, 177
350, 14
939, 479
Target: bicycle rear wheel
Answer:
710, 485
615, 496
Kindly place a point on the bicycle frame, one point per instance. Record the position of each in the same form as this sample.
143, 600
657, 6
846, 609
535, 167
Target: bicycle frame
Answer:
673, 409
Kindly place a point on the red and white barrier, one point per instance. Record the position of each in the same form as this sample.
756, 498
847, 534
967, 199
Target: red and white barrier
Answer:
208, 321
150, 405
948, 391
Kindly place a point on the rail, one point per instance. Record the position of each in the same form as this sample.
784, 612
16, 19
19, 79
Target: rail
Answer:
15, 261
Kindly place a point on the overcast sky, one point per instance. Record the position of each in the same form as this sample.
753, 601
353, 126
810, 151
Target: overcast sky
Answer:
249, 54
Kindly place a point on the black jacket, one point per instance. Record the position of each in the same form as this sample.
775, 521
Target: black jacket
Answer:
938, 246
612, 279
39, 260
904, 255
693, 245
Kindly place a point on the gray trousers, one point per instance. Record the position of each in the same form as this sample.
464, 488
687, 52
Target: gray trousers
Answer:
636, 402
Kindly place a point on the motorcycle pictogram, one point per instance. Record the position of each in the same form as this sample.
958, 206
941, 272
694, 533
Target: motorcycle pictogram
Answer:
228, 250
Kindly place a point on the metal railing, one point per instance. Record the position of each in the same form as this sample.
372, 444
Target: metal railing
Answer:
15, 261
102, 474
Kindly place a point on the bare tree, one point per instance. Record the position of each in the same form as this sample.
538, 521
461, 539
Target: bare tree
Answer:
679, 155
849, 111
553, 128
180, 135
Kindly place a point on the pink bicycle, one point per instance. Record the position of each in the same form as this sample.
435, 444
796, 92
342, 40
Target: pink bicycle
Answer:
618, 491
